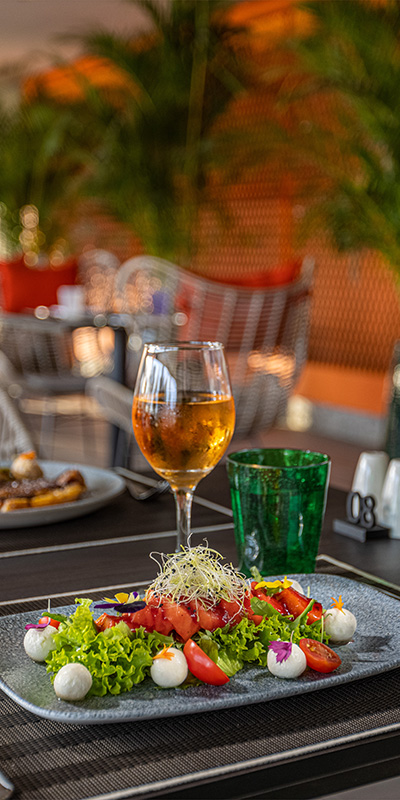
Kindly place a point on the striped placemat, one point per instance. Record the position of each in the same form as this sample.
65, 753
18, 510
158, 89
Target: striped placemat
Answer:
51, 761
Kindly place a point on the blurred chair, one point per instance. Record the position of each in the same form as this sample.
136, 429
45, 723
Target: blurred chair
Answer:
264, 330
37, 361
43, 362
97, 271
115, 405
14, 435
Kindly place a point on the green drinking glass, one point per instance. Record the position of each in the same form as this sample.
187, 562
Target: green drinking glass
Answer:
278, 500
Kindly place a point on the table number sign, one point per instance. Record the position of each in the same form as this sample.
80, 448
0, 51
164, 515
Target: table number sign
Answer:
360, 522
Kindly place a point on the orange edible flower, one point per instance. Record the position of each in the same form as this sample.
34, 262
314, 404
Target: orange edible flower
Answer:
164, 653
31, 454
338, 603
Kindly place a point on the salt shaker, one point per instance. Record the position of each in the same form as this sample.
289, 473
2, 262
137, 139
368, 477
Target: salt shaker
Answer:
369, 477
390, 499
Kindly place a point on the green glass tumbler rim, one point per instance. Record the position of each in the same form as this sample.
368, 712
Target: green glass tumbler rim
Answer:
325, 459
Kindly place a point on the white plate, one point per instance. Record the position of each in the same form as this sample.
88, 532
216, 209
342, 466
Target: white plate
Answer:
102, 487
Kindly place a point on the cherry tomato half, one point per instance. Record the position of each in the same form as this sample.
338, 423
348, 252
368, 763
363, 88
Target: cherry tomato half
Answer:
53, 622
202, 666
319, 656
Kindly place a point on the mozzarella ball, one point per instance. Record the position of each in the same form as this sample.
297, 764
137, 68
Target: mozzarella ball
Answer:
291, 668
38, 642
26, 467
340, 624
72, 682
297, 586
169, 672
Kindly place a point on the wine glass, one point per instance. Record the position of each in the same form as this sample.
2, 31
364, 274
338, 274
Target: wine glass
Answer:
183, 416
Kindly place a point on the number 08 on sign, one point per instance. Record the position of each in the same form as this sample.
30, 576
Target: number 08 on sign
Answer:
361, 521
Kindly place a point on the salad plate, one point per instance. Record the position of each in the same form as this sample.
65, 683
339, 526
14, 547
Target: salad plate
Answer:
103, 486
375, 649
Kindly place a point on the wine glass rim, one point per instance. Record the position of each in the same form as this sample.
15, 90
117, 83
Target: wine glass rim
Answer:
162, 347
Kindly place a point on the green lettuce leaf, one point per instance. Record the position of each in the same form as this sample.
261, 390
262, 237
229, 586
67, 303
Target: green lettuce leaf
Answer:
247, 643
256, 574
263, 608
209, 647
299, 621
116, 658
236, 646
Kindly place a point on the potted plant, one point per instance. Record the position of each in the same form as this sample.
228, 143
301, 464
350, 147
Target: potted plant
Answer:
160, 142
339, 87
43, 165
341, 90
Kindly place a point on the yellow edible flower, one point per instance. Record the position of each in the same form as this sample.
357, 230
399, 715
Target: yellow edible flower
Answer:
121, 597
275, 584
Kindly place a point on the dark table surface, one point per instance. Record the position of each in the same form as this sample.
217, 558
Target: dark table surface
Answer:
111, 546
303, 746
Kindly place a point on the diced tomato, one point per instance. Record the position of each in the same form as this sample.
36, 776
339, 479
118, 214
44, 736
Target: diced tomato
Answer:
260, 594
209, 618
202, 666
129, 618
319, 656
296, 603
149, 617
232, 611
161, 623
315, 613
273, 600
183, 622
106, 621
164, 615
53, 622
143, 618
256, 618
153, 600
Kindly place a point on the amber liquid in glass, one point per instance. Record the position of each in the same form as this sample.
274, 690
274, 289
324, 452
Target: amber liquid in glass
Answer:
185, 439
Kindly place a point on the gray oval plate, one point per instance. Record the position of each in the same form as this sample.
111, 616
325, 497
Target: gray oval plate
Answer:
375, 649
103, 486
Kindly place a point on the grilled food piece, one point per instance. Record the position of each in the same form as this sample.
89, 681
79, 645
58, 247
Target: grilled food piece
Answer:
70, 476
66, 488
14, 504
25, 488
66, 494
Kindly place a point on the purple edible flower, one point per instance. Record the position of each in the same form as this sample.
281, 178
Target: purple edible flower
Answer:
282, 650
122, 606
38, 625
122, 602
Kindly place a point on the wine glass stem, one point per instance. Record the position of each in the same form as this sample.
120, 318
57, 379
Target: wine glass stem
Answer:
183, 500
